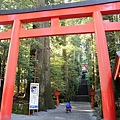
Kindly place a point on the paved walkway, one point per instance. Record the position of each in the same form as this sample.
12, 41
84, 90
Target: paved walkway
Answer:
80, 111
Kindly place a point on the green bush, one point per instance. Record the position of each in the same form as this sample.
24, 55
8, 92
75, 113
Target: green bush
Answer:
61, 101
118, 113
98, 101
20, 108
54, 102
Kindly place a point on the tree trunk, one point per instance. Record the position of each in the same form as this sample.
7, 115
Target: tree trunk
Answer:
43, 69
48, 93
40, 75
18, 79
2, 68
65, 71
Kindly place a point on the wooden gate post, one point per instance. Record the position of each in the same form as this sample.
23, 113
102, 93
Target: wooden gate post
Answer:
8, 90
108, 102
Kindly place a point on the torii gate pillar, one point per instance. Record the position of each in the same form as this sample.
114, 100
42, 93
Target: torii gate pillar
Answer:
8, 90
104, 68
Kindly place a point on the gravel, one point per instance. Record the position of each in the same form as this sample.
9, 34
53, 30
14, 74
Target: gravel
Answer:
80, 111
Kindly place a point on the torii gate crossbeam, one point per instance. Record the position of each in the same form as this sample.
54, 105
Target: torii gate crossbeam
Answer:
54, 14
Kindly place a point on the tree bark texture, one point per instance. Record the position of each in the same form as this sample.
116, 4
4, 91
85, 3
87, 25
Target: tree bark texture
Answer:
43, 66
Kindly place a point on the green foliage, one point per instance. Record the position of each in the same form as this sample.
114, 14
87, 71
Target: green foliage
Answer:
57, 78
117, 89
118, 114
59, 63
17, 4
3, 56
20, 108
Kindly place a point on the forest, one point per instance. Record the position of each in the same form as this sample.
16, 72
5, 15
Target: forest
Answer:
55, 62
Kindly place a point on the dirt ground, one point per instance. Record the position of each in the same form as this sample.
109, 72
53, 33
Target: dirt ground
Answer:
80, 111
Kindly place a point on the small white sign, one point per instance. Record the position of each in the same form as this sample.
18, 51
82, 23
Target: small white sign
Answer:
34, 96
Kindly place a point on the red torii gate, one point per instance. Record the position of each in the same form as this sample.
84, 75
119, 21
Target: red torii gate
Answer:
94, 9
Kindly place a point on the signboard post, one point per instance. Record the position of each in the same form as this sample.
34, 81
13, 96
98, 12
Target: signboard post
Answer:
34, 96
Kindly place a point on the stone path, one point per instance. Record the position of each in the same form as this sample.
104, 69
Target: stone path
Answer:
80, 111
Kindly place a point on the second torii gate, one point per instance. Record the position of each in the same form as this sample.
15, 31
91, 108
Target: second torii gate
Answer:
93, 8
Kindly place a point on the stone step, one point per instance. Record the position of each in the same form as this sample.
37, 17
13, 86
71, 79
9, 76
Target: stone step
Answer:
82, 98
83, 90
83, 82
